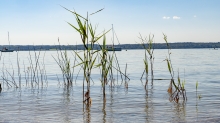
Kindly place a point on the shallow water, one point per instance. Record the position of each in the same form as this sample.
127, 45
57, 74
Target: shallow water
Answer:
53, 102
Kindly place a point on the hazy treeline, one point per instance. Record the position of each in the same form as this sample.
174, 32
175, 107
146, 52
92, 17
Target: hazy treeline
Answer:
182, 45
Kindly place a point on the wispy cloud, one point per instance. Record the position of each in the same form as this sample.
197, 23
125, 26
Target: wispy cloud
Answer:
176, 17
164, 17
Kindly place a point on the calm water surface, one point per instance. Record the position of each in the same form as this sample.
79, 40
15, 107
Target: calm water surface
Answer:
53, 102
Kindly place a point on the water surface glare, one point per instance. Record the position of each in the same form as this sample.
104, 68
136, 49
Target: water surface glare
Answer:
53, 102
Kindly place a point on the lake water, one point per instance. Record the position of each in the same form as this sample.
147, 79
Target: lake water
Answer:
53, 102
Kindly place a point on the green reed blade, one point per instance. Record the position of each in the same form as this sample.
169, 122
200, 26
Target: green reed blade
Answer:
92, 32
146, 65
97, 38
78, 55
168, 64
78, 30
93, 62
74, 13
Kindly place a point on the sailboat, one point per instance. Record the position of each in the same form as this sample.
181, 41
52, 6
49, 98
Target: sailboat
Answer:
6, 49
113, 47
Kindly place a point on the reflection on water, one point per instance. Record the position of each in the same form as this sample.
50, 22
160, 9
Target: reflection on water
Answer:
103, 110
62, 104
57, 103
179, 111
149, 105
86, 114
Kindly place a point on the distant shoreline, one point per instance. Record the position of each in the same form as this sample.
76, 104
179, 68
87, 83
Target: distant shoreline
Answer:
182, 45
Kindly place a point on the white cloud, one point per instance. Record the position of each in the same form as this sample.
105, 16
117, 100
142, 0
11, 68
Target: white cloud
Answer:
164, 17
194, 16
176, 17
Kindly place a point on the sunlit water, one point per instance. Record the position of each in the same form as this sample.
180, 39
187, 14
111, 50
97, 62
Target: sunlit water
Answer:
53, 102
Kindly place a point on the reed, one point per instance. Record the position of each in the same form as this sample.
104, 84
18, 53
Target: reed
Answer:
126, 82
148, 56
88, 38
63, 61
197, 95
106, 66
7, 74
12, 77
178, 91
43, 71
35, 71
30, 68
36, 58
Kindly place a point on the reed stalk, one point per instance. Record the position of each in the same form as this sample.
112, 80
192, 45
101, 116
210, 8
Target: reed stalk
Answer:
197, 95
45, 72
25, 74
31, 67
36, 77
0, 87
126, 83
19, 72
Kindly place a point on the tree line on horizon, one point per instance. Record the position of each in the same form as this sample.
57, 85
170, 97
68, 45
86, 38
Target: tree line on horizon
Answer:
182, 45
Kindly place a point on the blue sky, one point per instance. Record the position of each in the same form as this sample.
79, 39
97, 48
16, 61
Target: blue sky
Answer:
43, 21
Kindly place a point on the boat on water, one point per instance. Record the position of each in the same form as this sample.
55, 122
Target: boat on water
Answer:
6, 49
113, 48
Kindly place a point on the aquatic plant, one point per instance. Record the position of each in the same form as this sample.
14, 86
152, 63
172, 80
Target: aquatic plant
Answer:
63, 62
199, 96
105, 64
37, 69
34, 73
178, 89
89, 38
86, 31
6, 79
149, 49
